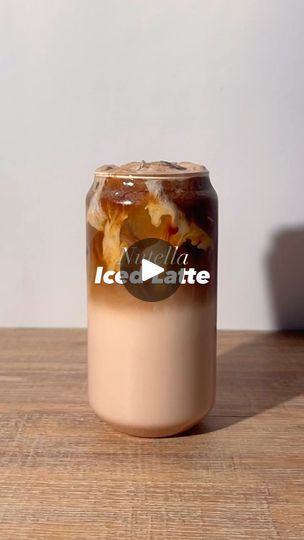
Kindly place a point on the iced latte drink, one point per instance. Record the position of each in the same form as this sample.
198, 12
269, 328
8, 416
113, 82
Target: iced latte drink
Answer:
152, 279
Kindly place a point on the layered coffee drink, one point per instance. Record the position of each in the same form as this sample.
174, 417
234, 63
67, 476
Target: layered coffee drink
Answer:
152, 281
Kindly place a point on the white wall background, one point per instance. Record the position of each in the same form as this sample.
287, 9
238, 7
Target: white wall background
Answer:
87, 82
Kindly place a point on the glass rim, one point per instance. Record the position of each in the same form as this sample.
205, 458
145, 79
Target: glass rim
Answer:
149, 176
143, 170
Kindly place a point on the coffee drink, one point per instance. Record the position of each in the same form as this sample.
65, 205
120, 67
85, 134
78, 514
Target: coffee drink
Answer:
152, 281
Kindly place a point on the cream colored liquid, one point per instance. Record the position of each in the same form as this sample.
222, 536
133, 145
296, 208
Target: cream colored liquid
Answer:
152, 370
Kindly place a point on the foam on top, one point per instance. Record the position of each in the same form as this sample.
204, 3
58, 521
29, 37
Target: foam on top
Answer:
152, 169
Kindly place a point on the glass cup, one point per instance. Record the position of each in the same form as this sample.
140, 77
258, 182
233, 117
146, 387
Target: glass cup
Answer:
152, 363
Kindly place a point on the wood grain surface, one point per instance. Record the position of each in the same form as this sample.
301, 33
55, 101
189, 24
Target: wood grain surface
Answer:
66, 475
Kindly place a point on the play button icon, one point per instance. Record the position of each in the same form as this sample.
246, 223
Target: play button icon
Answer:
150, 261
150, 270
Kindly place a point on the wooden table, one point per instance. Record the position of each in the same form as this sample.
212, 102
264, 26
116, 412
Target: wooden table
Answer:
65, 474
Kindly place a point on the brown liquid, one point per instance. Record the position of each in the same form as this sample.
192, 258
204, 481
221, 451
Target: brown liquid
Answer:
151, 365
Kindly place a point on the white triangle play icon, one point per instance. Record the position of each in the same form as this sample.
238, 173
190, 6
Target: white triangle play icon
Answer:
149, 269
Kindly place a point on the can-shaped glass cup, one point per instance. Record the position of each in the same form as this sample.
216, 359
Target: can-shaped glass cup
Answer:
152, 359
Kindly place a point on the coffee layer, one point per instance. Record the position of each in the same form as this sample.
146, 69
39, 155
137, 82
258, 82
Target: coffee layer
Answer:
119, 213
